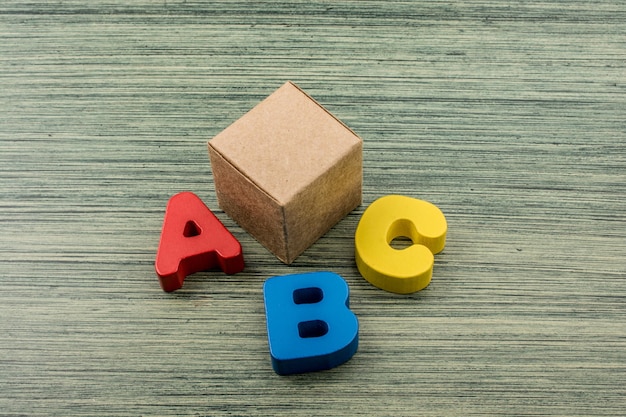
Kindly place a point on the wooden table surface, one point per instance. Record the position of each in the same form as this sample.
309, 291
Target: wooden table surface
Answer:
509, 116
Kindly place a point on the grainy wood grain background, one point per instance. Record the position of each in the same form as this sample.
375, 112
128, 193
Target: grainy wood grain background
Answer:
510, 116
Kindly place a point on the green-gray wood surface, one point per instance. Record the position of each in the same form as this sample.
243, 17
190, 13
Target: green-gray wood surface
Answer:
509, 116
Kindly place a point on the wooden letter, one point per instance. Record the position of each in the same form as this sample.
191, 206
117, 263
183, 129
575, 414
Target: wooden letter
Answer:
401, 271
193, 240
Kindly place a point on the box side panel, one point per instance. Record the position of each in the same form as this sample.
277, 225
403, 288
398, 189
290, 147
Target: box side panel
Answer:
327, 200
250, 207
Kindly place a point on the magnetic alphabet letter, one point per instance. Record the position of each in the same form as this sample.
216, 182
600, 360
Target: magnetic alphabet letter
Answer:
401, 271
193, 240
309, 324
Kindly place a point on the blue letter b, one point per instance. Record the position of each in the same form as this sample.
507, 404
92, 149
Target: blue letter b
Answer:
309, 324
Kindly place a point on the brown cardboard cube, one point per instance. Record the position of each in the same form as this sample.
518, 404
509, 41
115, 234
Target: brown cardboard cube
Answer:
287, 171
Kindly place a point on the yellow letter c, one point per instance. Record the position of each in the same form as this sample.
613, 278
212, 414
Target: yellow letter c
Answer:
405, 270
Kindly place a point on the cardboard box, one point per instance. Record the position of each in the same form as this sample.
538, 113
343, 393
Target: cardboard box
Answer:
287, 171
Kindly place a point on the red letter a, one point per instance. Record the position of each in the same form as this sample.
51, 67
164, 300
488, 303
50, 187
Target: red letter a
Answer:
193, 240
